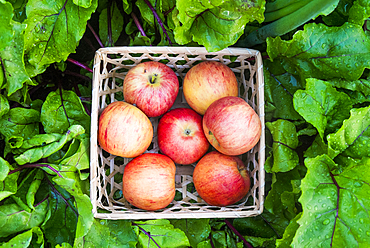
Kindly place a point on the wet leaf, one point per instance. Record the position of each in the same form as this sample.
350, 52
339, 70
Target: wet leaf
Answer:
207, 21
322, 105
335, 206
324, 52
105, 233
14, 219
353, 138
162, 232
279, 91
6, 31
53, 31
359, 11
34, 154
285, 140
12, 57
197, 230
116, 24
61, 110
286, 240
20, 122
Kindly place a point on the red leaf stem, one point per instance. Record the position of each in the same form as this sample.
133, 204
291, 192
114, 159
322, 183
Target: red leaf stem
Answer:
158, 19
95, 35
21, 167
80, 64
109, 21
137, 23
237, 233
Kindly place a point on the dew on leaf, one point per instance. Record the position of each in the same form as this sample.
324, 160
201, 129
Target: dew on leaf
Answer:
362, 221
368, 233
325, 222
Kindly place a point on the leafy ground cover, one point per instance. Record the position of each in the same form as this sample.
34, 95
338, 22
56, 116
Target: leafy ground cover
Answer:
317, 103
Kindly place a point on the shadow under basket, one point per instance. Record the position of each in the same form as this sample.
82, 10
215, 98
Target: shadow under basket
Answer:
110, 67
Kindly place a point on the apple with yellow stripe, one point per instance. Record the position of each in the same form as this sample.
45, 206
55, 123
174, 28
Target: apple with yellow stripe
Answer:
149, 181
207, 82
232, 126
124, 130
221, 180
152, 86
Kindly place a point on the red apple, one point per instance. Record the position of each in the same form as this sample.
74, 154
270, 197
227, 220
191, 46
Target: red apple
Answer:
149, 181
124, 130
206, 82
152, 86
181, 136
232, 126
221, 180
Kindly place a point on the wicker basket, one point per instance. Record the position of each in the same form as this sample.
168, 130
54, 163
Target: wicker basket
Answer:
110, 68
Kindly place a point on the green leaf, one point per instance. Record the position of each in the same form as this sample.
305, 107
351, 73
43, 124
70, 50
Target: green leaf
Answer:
34, 154
83, 3
22, 240
61, 110
279, 91
4, 105
197, 230
164, 234
14, 219
64, 245
266, 225
219, 239
33, 188
9, 185
63, 216
318, 147
6, 30
20, 122
285, 141
261, 242
361, 85
358, 90
322, 105
13, 62
340, 15
289, 23
71, 182
335, 206
359, 12
324, 52
78, 158
127, 6
53, 31
146, 12
105, 233
286, 240
279, 203
116, 25
215, 24
4, 169
353, 137
40, 140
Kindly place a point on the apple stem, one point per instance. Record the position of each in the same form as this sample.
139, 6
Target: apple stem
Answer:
237, 233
